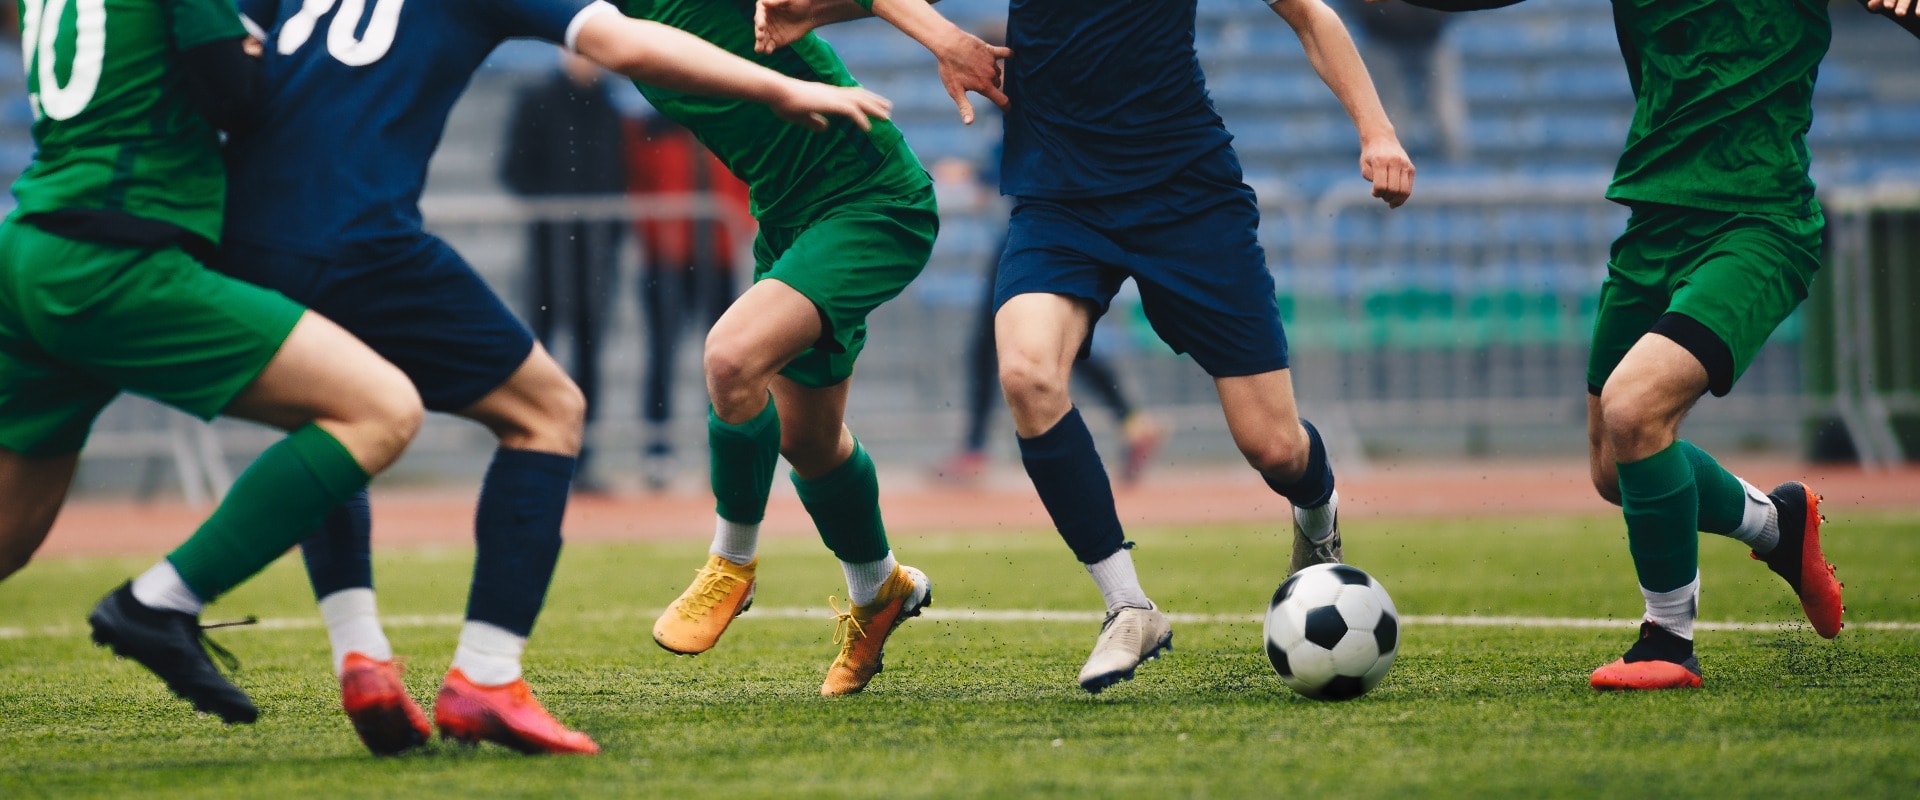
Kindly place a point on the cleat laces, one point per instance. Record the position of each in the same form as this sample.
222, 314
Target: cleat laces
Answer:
847, 629
710, 586
223, 655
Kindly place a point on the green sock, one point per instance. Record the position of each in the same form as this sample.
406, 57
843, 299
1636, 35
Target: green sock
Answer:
741, 459
1723, 500
279, 500
1662, 506
845, 505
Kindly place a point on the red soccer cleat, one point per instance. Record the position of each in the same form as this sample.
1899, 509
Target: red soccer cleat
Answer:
384, 715
506, 715
1659, 660
1798, 558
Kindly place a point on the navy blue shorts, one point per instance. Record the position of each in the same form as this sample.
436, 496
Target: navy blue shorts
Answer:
1189, 244
416, 302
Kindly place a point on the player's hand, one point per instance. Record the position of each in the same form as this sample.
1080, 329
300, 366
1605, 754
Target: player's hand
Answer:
1897, 8
252, 47
778, 23
1385, 162
969, 64
809, 105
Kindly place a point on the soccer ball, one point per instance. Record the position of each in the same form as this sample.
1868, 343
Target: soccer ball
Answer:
1331, 632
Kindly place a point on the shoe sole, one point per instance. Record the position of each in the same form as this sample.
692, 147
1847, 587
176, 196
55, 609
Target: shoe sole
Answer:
1622, 677
723, 628
1099, 682
1819, 586
386, 729
102, 636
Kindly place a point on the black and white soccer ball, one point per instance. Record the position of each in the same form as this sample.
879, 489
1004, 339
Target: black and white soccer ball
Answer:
1332, 632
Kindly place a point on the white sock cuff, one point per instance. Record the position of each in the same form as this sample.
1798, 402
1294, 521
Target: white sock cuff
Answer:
1674, 611
353, 626
864, 580
1119, 583
735, 541
1318, 522
162, 587
1759, 520
488, 654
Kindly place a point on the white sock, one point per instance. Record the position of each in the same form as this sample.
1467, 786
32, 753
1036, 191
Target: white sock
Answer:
489, 655
1674, 611
353, 626
735, 541
864, 580
1118, 583
161, 587
1759, 521
1318, 522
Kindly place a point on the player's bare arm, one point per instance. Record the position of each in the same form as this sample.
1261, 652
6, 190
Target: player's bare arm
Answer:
1898, 8
670, 58
1331, 52
967, 63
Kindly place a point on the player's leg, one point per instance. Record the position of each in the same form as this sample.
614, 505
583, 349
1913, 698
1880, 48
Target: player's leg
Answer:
350, 414
32, 489
764, 329
1140, 433
1290, 456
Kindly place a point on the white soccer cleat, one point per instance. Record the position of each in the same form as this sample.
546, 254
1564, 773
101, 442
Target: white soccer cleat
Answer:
1130, 637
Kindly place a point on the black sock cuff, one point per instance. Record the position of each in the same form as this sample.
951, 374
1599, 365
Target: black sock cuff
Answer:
1066, 436
1314, 487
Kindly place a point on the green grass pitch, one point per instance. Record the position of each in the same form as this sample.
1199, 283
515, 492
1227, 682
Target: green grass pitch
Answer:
988, 707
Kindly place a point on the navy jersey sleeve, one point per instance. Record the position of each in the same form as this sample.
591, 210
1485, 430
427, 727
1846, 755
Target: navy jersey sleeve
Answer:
552, 20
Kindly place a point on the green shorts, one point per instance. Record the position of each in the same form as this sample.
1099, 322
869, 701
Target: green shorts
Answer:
849, 261
1732, 276
82, 321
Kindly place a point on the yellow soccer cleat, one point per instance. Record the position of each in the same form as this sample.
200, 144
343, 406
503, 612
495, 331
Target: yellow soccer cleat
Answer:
863, 630
721, 590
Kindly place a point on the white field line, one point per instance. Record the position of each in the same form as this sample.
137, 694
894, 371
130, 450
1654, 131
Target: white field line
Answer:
1000, 615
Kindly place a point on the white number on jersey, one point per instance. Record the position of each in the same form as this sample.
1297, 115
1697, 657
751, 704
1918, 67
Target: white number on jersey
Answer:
341, 43
40, 26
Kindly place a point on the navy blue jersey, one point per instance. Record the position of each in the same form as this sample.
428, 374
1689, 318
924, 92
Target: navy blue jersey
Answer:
358, 96
1107, 97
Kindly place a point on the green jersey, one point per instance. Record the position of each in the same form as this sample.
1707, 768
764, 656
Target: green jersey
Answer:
793, 173
1723, 95
113, 128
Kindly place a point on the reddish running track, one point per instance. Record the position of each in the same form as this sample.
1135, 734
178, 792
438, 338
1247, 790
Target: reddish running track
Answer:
1004, 500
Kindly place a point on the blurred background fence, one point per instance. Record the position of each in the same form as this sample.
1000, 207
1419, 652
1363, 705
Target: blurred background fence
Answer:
1455, 326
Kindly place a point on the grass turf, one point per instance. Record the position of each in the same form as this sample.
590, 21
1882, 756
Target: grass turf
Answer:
989, 708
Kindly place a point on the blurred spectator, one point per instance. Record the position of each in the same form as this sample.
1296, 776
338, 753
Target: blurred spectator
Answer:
687, 272
564, 141
961, 186
1415, 70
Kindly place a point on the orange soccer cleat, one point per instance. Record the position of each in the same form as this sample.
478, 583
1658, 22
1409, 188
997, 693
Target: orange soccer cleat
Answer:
377, 703
692, 624
506, 715
863, 630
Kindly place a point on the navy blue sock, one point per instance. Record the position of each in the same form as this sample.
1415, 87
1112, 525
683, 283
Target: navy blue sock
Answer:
1315, 486
1073, 485
340, 554
516, 532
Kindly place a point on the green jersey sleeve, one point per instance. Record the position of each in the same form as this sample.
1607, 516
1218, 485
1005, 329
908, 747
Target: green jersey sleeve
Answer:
197, 22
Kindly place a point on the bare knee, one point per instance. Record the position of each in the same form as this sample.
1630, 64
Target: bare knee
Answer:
551, 418
1280, 454
376, 425
1633, 427
1033, 388
736, 381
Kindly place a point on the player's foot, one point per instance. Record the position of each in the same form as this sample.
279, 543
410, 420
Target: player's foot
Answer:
506, 715
1799, 560
1307, 552
1660, 660
1142, 436
863, 630
1130, 637
169, 643
720, 591
964, 468
377, 703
